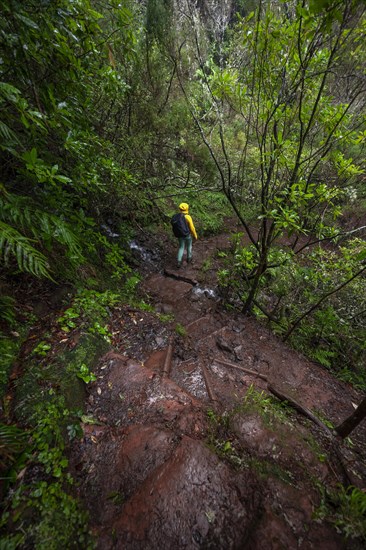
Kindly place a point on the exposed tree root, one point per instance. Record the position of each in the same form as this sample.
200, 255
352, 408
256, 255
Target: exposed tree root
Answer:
300, 409
348, 477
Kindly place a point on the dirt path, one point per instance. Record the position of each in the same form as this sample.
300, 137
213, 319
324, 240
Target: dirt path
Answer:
172, 456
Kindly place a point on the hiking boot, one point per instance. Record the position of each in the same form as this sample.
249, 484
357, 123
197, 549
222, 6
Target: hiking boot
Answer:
189, 260
179, 265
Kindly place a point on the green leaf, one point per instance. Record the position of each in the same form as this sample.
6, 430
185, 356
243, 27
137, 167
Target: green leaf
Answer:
361, 256
29, 22
13, 243
9, 92
87, 419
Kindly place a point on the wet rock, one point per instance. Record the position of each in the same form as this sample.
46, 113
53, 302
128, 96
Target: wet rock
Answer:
160, 341
238, 352
153, 483
156, 360
280, 444
120, 465
89, 350
192, 500
287, 522
169, 290
224, 344
195, 297
168, 309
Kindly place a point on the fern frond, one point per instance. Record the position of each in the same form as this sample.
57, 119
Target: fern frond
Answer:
29, 259
12, 441
7, 309
9, 92
18, 211
7, 134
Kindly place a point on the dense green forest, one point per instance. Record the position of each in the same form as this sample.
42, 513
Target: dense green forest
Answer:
112, 112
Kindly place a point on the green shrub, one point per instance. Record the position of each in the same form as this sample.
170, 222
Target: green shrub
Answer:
346, 509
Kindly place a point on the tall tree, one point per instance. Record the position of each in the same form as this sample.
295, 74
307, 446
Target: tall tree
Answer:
277, 123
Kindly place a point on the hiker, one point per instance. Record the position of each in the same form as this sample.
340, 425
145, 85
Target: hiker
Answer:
184, 230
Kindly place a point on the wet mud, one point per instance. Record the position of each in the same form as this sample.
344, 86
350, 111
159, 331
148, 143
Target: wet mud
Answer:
172, 457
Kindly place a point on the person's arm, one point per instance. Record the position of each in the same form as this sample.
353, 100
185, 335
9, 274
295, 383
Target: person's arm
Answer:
191, 226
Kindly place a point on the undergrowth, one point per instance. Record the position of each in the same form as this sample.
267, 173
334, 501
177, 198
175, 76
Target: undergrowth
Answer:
39, 506
221, 438
345, 508
314, 299
40, 510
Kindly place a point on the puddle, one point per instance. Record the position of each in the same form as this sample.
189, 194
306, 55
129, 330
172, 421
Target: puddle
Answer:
108, 231
145, 255
204, 291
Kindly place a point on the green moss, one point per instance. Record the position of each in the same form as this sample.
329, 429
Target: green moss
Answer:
40, 380
267, 469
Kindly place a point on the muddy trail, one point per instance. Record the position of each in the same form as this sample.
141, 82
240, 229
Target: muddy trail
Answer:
185, 446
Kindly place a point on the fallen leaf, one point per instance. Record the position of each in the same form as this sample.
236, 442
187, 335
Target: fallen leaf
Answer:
89, 420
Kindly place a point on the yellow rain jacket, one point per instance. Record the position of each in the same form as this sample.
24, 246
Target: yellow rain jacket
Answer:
184, 207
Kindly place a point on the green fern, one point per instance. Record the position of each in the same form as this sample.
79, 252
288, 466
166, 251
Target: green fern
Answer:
13, 244
7, 134
19, 212
9, 93
7, 309
12, 442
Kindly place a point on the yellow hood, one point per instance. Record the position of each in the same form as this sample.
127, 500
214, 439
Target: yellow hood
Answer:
183, 207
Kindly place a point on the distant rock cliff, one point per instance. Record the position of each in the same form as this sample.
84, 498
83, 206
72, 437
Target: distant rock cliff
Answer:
216, 14
213, 15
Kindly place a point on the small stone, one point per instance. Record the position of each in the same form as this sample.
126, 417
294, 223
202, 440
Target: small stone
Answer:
238, 353
223, 344
167, 308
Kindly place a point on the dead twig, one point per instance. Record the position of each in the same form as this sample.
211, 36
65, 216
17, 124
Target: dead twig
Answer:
168, 358
247, 371
196, 321
206, 378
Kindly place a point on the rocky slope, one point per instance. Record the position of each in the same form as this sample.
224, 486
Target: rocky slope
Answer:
186, 447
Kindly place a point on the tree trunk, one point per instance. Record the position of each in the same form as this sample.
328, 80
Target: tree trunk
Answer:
352, 421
